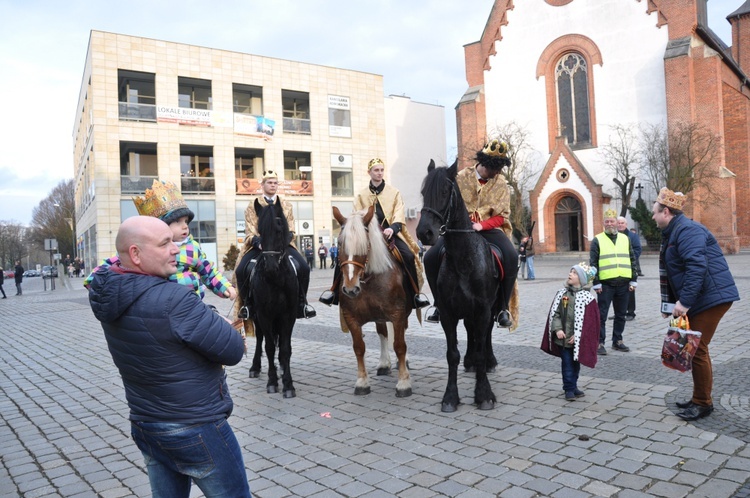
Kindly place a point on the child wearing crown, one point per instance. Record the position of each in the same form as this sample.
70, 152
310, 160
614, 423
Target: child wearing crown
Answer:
165, 202
572, 329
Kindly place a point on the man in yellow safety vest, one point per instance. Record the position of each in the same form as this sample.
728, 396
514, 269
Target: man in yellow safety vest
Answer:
612, 255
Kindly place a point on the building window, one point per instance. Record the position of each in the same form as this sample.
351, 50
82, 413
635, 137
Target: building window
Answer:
339, 117
297, 166
247, 99
194, 93
136, 95
296, 111
248, 167
203, 227
138, 166
572, 80
197, 169
342, 183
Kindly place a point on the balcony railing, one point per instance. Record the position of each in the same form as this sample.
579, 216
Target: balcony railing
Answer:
342, 191
136, 184
297, 125
198, 185
137, 112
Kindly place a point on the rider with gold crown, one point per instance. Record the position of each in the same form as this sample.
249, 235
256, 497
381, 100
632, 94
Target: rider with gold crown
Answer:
487, 197
389, 209
252, 249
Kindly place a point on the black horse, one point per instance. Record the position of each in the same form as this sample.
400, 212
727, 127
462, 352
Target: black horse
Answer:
467, 283
274, 297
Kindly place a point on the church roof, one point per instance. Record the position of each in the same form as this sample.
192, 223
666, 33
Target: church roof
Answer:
745, 9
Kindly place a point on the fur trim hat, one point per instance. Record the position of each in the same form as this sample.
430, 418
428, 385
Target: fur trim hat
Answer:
585, 273
494, 155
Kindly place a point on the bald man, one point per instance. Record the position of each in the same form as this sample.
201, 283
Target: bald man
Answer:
170, 349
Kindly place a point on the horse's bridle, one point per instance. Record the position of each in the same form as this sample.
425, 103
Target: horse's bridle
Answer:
445, 219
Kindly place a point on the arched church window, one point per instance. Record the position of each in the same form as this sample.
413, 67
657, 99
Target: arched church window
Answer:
568, 205
571, 79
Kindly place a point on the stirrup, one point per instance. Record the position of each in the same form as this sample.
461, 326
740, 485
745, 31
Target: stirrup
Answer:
421, 301
308, 311
504, 320
433, 317
327, 297
244, 313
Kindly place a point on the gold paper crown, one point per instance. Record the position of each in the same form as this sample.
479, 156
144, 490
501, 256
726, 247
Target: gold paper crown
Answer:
610, 213
673, 200
270, 174
373, 162
161, 199
496, 148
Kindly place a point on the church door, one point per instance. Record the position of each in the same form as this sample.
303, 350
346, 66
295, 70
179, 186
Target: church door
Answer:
568, 225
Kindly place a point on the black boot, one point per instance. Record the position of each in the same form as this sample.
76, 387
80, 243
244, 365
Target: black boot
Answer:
434, 317
327, 297
421, 301
503, 319
305, 311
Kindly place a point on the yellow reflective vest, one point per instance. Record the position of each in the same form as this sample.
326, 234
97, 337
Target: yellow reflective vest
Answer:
614, 258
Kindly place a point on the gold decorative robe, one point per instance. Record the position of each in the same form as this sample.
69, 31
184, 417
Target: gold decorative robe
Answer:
484, 202
393, 208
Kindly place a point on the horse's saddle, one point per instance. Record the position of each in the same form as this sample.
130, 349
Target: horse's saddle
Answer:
497, 257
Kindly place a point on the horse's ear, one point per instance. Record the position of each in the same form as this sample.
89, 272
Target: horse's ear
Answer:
431, 166
258, 207
453, 170
338, 216
368, 215
278, 207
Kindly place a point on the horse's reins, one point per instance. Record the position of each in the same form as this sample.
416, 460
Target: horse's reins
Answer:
446, 219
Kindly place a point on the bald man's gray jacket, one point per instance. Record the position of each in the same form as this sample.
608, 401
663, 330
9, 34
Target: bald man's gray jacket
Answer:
170, 348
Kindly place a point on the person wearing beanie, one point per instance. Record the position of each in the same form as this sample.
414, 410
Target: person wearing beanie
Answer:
251, 251
487, 197
611, 253
695, 282
572, 329
164, 201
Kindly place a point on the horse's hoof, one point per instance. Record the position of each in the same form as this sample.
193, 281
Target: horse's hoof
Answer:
290, 393
486, 405
384, 371
403, 393
361, 391
253, 374
448, 408
272, 389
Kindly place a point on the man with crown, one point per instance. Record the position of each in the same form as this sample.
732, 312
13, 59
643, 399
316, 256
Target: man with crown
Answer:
695, 280
487, 197
389, 210
611, 253
251, 250
164, 201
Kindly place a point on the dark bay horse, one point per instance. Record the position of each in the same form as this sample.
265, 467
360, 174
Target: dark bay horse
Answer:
274, 296
467, 283
372, 291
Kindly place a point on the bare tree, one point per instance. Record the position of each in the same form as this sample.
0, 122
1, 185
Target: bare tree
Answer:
620, 155
54, 218
13, 244
522, 169
680, 158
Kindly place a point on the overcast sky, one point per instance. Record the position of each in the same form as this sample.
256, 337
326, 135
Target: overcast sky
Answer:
416, 45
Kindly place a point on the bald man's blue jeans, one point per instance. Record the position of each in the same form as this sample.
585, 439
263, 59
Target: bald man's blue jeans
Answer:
207, 454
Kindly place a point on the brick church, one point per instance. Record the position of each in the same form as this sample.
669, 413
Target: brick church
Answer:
571, 71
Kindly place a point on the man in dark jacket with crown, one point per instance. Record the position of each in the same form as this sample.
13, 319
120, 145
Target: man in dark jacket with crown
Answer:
695, 279
170, 349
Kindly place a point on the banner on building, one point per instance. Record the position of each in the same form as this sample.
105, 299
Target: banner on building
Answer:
286, 187
182, 115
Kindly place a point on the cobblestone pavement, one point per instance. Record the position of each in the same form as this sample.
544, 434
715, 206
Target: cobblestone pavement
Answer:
64, 428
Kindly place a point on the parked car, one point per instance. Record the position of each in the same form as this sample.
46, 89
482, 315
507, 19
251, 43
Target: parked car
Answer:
9, 274
32, 273
49, 272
